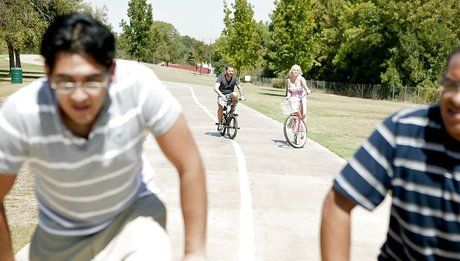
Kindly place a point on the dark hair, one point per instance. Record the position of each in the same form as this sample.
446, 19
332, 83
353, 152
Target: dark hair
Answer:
78, 33
228, 66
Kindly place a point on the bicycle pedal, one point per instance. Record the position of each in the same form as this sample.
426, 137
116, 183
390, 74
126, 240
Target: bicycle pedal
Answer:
235, 114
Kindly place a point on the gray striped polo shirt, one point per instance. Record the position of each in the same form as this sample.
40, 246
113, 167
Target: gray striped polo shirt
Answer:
82, 184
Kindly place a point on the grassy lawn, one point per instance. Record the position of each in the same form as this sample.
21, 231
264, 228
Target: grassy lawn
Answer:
6, 87
339, 123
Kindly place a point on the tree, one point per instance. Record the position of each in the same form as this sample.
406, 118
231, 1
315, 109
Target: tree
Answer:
138, 31
23, 22
20, 26
422, 40
291, 40
241, 41
200, 54
395, 43
165, 42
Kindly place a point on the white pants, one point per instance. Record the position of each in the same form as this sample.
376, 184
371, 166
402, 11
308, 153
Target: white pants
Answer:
140, 239
137, 233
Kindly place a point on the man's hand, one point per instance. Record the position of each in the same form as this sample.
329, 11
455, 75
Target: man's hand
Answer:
180, 148
243, 98
309, 91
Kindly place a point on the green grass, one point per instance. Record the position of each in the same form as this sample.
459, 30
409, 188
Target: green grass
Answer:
339, 123
4, 65
182, 76
6, 87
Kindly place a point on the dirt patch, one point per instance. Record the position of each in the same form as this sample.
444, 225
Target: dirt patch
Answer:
21, 208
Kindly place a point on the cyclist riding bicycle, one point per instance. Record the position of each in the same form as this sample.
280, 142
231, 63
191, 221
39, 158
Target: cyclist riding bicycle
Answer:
226, 95
296, 87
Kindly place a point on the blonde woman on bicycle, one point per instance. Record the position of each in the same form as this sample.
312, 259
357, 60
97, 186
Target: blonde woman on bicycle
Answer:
296, 86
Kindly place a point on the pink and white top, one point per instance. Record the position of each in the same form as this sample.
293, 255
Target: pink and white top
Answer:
295, 88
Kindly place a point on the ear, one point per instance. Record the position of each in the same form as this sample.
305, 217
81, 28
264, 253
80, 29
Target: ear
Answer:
112, 70
47, 70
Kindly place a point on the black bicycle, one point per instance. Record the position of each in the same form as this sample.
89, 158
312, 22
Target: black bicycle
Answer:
229, 127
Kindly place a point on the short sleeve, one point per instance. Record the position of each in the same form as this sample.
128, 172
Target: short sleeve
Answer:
219, 80
366, 178
160, 109
13, 141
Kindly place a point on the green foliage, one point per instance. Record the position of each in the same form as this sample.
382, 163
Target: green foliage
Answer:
165, 42
395, 43
291, 40
279, 83
217, 59
138, 31
23, 22
240, 41
20, 25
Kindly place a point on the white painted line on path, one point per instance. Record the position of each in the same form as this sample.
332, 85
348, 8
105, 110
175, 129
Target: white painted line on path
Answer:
246, 247
246, 242
201, 106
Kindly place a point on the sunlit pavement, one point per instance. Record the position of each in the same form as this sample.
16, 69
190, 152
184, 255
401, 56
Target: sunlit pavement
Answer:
269, 210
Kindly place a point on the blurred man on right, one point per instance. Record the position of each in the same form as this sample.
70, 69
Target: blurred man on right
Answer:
415, 154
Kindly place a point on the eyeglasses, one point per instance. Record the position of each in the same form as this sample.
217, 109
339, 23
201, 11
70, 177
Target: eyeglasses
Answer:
91, 87
449, 85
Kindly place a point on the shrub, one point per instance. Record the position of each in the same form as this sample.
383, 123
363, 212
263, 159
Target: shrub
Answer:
279, 83
428, 92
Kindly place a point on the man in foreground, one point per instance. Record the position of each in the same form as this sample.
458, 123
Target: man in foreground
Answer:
82, 130
226, 95
415, 154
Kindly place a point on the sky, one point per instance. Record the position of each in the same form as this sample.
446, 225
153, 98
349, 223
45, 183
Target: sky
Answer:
200, 19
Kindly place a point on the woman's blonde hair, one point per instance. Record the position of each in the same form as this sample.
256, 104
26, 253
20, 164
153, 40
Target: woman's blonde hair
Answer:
295, 66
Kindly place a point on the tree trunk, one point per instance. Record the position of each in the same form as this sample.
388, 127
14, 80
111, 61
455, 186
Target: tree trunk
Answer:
18, 58
11, 55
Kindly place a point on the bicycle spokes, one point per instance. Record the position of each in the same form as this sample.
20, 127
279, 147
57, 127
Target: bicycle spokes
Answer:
295, 131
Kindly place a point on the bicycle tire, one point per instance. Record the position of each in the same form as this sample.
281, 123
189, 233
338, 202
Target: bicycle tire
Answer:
295, 138
223, 128
231, 127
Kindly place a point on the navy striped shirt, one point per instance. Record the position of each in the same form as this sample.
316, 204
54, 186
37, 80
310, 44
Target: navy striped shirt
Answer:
412, 155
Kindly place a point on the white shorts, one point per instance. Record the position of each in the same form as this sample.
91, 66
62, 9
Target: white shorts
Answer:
222, 103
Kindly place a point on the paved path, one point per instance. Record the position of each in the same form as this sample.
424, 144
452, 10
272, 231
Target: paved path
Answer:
265, 198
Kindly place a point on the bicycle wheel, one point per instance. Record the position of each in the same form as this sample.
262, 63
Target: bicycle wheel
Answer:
232, 127
222, 129
295, 131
